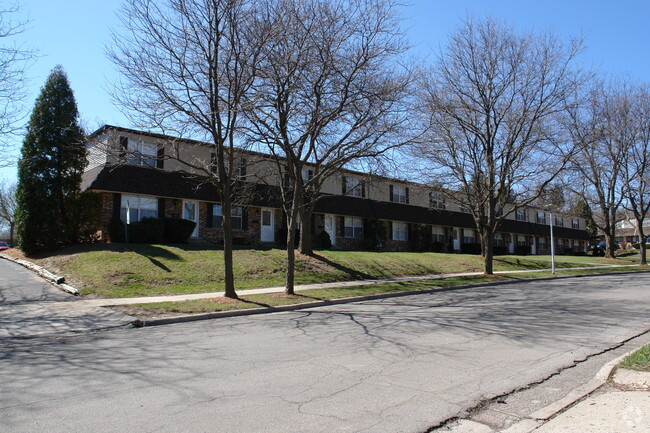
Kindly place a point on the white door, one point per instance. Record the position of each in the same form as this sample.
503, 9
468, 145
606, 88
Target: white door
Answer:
330, 227
457, 236
191, 212
267, 232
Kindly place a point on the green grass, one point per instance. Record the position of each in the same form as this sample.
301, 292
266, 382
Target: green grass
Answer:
278, 299
108, 270
639, 360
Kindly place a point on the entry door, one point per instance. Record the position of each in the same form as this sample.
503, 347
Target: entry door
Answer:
191, 212
330, 227
267, 233
457, 235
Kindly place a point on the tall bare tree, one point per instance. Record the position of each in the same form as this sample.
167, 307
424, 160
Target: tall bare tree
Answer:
186, 67
636, 170
602, 126
493, 100
330, 92
8, 208
14, 59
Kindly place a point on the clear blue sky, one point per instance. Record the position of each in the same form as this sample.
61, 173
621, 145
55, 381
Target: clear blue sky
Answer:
74, 33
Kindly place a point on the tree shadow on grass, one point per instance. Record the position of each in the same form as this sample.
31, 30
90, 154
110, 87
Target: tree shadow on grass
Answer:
353, 273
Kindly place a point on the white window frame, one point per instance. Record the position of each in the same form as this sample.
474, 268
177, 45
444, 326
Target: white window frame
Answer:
559, 221
140, 206
353, 187
400, 231
498, 240
521, 214
521, 241
353, 227
143, 153
469, 236
575, 223
541, 217
306, 177
236, 213
438, 234
437, 200
399, 194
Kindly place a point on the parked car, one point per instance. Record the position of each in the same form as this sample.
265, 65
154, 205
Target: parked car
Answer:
601, 247
4, 246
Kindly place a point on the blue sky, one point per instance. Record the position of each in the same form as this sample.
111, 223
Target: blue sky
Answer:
74, 33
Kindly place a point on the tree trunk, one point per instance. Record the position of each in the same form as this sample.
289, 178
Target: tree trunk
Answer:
12, 229
291, 239
486, 249
609, 244
229, 277
639, 224
306, 245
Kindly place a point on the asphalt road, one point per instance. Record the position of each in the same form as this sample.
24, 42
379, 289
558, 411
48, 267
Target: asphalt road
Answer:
30, 306
393, 365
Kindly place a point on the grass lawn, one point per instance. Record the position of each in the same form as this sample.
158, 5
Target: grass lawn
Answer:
108, 270
639, 360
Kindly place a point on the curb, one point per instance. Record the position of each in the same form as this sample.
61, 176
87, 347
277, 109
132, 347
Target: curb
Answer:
56, 280
543, 415
282, 308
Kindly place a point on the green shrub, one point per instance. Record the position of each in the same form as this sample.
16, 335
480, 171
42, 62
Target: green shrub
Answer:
474, 248
437, 247
375, 234
522, 250
177, 230
499, 251
116, 230
323, 240
147, 231
422, 238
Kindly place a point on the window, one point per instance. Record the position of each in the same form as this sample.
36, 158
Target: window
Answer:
400, 231
398, 194
469, 237
143, 153
438, 234
139, 207
542, 243
541, 218
437, 200
559, 221
353, 227
465, 210
521, 241
353, 186
498, 240
236, 214
521, 215
575, 223
307, 174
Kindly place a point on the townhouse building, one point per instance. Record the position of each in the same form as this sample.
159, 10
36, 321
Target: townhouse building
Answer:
129, 166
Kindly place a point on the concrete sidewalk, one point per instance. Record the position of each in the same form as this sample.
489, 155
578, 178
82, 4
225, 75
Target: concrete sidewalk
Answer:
622, 405
107, 302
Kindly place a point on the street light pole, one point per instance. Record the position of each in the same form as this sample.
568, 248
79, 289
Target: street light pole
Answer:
550, 223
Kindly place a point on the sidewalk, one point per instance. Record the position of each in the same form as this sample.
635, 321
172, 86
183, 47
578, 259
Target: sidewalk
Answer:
618, 407
107, 302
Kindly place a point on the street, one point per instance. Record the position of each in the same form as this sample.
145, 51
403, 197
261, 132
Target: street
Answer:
399, 364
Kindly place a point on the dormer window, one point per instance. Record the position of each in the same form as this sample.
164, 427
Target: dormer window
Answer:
399, 194
142, 153
353, 187
437, 200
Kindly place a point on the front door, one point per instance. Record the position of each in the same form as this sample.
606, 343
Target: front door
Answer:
191, 212
457, 235
330, 227
267, 232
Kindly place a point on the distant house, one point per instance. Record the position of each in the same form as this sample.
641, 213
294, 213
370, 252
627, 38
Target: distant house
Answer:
126, 165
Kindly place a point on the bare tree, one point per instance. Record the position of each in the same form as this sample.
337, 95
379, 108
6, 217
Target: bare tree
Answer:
493, 100
603, 128
187, 66
330, 93
636, 170
14, 59
8, 208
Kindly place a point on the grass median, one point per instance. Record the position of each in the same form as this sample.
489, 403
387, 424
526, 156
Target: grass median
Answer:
212, 305
114, 271
639, 360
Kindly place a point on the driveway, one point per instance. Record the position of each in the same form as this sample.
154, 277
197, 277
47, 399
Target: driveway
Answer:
30, 306
393, 365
